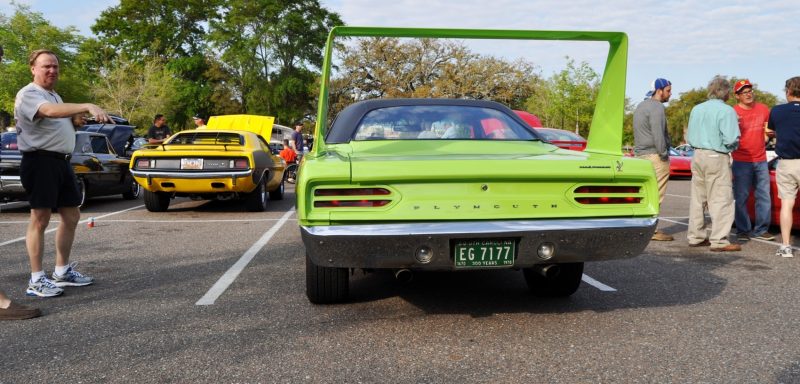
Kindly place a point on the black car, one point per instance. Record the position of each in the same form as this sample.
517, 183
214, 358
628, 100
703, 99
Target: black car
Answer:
98, 168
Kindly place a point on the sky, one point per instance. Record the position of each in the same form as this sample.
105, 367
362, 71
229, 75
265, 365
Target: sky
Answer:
686, 42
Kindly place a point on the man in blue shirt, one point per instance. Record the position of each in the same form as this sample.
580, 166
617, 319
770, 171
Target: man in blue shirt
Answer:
784, 119
713, 133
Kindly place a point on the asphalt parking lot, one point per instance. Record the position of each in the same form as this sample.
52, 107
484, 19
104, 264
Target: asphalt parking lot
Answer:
208, 292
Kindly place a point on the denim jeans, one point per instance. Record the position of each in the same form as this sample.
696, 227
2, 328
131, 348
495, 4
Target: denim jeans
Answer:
747, 176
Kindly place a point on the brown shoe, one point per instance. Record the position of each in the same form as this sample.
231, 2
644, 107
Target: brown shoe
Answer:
18, 312
704, 243
661, 236
728, 248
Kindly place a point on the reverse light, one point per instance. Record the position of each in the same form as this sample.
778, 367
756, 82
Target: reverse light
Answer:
546, 251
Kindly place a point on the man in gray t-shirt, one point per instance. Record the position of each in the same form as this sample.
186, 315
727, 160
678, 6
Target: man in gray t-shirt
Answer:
46, 139
651, 139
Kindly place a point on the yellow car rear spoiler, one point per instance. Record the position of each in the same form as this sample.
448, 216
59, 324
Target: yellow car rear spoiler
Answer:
260, 125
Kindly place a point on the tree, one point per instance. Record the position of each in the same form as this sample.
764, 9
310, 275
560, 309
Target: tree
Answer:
136, 89
24, 32
272, 49
567, 99
389, 67
169, 32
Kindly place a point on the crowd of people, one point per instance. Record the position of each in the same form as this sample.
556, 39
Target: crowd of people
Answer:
729, 162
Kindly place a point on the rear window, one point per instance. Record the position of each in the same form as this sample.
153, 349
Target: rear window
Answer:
207, 138
440, 122
558, 135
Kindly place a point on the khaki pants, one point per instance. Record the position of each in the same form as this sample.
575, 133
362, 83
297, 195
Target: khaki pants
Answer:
712, 187
661, 168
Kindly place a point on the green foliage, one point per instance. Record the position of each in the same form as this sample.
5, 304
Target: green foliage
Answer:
566, 100
24, 32
388, 67
272, 49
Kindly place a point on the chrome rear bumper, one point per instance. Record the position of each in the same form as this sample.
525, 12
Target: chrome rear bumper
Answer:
394, 245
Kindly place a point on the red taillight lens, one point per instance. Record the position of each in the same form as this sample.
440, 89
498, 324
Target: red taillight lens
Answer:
608, 200
607, 189
142, 163
614, 190
352, 192
240, 163
344, 197
350, 203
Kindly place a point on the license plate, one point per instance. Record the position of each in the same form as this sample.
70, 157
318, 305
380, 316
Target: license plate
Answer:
191, 163
484, 253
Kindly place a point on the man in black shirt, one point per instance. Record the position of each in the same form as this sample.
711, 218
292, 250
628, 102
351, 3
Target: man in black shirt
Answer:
784, 119
159, 131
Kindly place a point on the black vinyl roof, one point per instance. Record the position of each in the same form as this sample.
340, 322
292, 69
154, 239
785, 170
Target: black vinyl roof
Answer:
345, 124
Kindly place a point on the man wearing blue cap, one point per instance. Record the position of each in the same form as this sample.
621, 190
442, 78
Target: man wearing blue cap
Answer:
651, 139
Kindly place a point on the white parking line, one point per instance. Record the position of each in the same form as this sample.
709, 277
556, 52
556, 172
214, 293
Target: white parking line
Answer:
230, 275
597, 284
80, 222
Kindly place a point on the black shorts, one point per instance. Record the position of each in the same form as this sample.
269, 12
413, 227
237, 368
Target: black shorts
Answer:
49, 181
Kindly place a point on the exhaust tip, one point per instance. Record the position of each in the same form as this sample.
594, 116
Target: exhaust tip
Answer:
403, 275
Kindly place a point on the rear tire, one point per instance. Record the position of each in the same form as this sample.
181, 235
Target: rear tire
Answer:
156, 201
563, 284
278, 193
326, 285
257, 200
133, 191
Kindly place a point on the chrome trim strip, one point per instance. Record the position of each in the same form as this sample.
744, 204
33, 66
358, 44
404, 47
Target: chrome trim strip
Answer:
192, 175
477, 227
10, 178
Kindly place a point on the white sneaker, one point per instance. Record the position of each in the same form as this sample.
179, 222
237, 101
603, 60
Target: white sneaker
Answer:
43, 287
785, 251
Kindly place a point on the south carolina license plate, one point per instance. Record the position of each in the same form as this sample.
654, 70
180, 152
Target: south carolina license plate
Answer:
484, 253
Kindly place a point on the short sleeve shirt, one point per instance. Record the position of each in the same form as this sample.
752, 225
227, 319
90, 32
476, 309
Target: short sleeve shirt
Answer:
158, 133
41, 133
751, 126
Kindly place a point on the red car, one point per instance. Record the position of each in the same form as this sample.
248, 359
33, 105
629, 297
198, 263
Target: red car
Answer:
775, 218
679, 165
562, 138
529, 118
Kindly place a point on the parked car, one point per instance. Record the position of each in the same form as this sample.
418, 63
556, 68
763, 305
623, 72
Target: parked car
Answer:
685, 150
775, 201
562, 138
99, 170
229, 159
679, 165
529, 118
387, 188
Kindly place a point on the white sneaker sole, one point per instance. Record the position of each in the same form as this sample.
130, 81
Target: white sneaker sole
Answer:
31, 292
62, 284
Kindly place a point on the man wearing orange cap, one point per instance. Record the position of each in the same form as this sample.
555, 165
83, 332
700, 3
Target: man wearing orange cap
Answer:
749, 165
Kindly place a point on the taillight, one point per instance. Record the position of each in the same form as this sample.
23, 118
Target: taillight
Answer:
142, 163
608, 194
351, 192
350, 203
351, 197
239, 163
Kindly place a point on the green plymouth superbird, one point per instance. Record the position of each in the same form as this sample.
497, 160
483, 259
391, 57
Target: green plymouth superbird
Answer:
443, 184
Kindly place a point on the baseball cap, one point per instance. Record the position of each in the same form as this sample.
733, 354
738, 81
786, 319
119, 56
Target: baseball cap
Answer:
741, 84
656, 85
197, 117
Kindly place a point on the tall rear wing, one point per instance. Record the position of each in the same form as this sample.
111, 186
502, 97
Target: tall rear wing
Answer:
605, 133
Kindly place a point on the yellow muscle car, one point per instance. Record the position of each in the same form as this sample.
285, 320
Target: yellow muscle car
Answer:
229, 159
